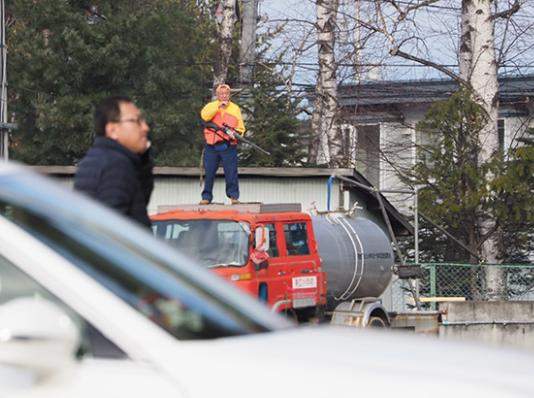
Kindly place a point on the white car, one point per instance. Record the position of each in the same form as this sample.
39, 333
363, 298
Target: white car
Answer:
94, 306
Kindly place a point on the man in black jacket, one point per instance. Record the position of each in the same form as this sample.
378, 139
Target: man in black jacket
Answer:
117, 169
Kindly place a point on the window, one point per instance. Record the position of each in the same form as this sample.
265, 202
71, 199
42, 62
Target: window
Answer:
273, 248
501, 133
147, 284
296, 239
368, 152
212, 243
16, 284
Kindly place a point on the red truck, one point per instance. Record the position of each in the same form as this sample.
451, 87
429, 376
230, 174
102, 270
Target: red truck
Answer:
313, 268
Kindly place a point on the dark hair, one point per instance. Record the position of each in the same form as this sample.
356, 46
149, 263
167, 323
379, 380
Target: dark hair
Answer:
108, 111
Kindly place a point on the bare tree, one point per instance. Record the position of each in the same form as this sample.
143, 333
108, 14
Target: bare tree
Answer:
247, 47
226, 18
325, 114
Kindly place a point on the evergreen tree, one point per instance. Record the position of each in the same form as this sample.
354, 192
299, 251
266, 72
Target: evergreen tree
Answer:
456, 192
516, 207
272, 122
62, 61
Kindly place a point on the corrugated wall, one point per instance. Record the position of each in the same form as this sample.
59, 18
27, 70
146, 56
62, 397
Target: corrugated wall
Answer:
172, 190
186, 190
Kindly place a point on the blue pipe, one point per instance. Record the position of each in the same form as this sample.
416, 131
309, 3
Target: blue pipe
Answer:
329, 191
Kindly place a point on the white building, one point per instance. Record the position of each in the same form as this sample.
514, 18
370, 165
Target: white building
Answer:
381, 119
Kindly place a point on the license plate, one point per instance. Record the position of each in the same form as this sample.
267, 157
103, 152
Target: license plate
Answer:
304, 302
304, 282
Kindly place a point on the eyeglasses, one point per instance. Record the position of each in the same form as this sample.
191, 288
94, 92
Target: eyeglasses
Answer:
139, 120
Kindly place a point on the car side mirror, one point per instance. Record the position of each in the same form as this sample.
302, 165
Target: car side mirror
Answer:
36, 335
262, 239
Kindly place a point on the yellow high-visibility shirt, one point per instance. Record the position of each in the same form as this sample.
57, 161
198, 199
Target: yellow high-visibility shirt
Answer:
210, 110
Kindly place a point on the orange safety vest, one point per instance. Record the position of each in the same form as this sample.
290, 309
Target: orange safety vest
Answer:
221, 118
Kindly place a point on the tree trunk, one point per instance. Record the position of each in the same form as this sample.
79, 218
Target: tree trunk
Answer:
226, 18
324, 120
478, 66
247, 48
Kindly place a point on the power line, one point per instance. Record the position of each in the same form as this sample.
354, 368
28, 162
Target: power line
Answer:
344, 64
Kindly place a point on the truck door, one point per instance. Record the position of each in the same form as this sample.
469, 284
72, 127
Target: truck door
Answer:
291, 277
301, 265
271, 283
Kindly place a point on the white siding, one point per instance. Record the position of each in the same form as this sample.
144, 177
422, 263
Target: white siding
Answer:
396, 145
514, 128
175, 190
186, 190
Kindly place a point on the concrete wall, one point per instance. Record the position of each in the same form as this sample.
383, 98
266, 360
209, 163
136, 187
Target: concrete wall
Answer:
509, 323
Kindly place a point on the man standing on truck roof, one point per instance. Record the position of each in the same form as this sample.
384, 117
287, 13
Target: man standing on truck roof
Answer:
117, 169
221, 146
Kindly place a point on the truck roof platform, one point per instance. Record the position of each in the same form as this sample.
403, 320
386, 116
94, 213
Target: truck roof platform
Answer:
256, 208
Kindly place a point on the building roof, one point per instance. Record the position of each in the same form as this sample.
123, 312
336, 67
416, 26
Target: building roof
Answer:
195, 171
511, 90
399, 223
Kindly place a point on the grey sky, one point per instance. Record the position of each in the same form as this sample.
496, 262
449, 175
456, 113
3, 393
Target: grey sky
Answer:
436, 28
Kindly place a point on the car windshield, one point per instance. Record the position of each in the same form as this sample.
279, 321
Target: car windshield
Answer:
169, 289
212, 243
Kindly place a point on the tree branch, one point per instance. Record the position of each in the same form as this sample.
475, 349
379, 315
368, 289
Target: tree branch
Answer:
396, 52
507, 13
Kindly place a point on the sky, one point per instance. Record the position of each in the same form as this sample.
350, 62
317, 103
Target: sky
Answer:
433, 34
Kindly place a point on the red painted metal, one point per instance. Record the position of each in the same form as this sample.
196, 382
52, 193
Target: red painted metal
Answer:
283, 273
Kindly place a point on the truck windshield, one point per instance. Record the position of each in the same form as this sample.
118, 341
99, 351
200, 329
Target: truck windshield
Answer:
212, 243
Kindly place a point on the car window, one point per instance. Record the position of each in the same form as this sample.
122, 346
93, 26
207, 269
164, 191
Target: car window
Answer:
173, 306
127, 260
296, 239
14, 283
273, 248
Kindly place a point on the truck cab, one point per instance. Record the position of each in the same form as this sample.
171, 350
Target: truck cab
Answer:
268, 251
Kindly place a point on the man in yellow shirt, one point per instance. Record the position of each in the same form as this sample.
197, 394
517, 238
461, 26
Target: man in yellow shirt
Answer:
221, 146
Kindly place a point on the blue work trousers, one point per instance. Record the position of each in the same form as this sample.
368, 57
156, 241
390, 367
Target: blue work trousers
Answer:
213, 156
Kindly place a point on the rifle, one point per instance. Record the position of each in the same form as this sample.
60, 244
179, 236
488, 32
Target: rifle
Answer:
239, 137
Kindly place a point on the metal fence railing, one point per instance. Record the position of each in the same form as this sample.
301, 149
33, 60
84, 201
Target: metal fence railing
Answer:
462, 282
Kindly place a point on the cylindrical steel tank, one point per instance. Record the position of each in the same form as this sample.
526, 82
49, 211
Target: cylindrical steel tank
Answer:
356, 255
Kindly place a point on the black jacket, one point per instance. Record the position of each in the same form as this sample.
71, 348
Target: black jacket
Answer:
117, 177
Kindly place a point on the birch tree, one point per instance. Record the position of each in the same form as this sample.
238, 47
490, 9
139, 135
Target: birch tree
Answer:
325, 114
226, 18
478, 67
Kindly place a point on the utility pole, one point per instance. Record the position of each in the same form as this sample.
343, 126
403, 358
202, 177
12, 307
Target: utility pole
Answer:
247, 48
4, 125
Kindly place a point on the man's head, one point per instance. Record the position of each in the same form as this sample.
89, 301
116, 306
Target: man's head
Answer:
223, 92
119, 119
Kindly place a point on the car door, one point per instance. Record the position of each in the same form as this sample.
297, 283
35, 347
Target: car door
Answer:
101, 369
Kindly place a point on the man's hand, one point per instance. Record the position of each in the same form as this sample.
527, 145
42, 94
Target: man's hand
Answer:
230, 133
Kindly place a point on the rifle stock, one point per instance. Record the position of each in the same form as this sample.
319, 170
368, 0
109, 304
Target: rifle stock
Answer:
239, 137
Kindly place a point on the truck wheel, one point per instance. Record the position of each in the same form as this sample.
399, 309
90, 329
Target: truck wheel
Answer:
291, 314
377, 322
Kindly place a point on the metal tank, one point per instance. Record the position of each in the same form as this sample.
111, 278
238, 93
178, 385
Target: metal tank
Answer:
356, 255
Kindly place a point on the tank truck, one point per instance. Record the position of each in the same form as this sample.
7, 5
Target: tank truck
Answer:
330, 267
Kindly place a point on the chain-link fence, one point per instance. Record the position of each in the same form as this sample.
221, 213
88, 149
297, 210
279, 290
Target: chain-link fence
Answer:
460, 282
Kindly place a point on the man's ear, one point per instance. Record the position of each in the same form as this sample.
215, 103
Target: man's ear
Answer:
111, 131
